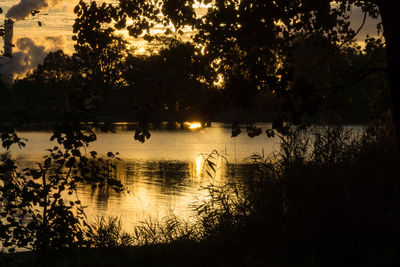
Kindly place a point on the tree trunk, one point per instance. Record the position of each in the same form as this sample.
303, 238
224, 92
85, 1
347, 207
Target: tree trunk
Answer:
389, 14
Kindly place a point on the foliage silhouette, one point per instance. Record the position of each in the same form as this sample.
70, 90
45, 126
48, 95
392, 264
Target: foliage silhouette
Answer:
328, 198
36, 213
256, 45
38, 208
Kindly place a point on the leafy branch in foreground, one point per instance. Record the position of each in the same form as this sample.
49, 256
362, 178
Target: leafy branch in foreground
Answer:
40, 209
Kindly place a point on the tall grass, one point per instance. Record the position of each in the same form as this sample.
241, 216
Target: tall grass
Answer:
329, 196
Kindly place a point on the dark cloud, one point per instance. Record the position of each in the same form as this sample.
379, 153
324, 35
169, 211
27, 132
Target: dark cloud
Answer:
29, 54
24, 8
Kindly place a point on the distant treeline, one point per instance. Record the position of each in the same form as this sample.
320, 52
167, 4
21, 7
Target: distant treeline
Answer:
175, 82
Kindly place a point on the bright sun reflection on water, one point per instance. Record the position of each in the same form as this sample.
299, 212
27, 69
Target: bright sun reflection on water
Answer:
199, 165
194, 125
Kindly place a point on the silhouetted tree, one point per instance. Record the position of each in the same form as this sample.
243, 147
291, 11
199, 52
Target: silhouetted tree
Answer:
34, 213
100, 53
169, 83
254, 44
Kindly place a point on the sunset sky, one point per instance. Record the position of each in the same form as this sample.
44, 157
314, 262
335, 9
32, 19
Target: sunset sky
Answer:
56, 32
58, 23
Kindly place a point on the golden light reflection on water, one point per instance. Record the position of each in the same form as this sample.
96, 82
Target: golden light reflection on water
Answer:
194, 125
164, 174
199, 165
154, 190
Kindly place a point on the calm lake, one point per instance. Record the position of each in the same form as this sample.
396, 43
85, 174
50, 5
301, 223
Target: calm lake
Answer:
165, 174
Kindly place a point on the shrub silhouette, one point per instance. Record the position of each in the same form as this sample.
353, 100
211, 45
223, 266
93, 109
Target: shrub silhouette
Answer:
329, 197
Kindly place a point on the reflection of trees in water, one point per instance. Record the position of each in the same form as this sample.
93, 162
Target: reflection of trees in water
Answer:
102, 196
128, 172
171, 176
168, 178
166, 172
99, 194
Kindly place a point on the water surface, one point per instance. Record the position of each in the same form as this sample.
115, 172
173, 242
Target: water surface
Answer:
163, 175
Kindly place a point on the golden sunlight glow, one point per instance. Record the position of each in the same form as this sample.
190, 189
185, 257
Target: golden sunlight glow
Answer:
220, 81
194, 125
203, 49
199, 165
201, 5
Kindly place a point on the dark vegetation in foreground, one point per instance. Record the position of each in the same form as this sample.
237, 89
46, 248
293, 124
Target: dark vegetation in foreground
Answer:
326, 199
